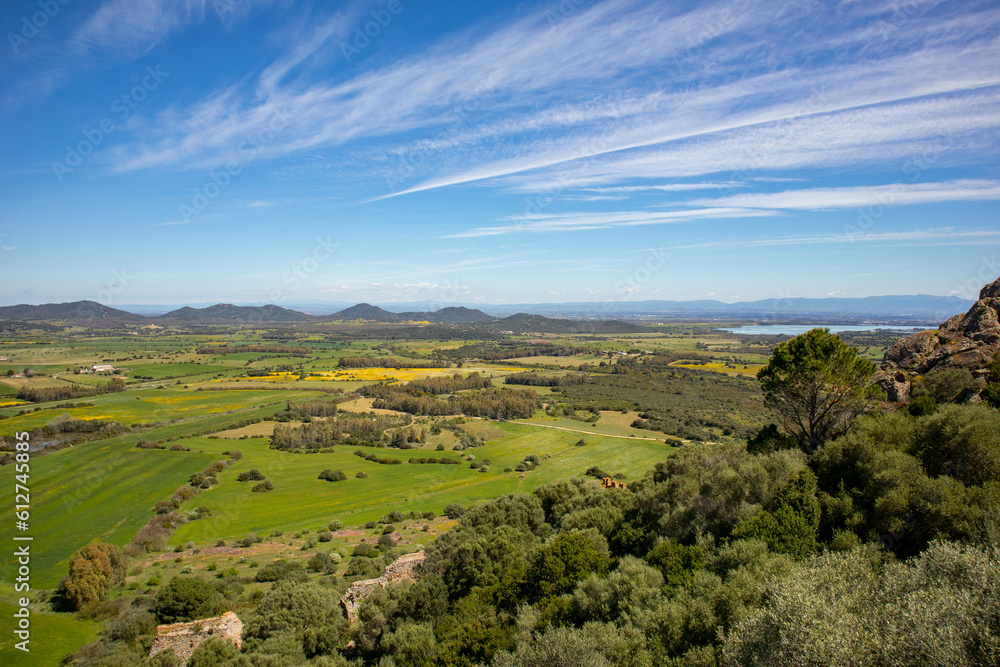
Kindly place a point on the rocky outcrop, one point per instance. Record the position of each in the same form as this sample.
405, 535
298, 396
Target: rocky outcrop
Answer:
965, 341
404, 567
184, 638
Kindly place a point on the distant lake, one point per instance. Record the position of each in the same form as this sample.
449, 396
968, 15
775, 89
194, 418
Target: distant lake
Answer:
796, 329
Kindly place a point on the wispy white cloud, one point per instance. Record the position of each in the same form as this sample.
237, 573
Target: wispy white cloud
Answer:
893, 194
757, 205
513, 82
622, 98
935, 235
671, 187
134, 27
566, 222
909, 136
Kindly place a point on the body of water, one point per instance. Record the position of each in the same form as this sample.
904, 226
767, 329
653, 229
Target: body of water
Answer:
796, 329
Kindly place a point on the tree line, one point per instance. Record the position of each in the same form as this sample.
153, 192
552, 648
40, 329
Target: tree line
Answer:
238, 349
432, 385
356, 429
533, 379
495, 403
70, 390
514, 351
386, 362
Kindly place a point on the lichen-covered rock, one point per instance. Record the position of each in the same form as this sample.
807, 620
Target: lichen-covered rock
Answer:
895, 384
909, 352
991, 291
967, 341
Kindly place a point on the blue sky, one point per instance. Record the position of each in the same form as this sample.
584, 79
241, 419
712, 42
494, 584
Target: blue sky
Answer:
172, 151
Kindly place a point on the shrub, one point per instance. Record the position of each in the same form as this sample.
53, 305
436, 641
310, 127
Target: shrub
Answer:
944, 385
386, 541
247, 541
322, 562
364, 550
333, 475
396, 516
922, 406
454, 511
280, 570
200, 513
132, 627
364, 568
250, 476
92, 571
263, 487
843, 605
336, 524
362, 475
185, 599
165, 506
325, 536
213, 651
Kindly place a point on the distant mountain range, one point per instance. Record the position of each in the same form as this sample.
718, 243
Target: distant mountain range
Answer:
931, 308
227, 313
450, 315
917, 308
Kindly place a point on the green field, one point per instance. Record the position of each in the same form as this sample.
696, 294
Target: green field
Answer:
52, 637
96, 491
104, 490
144, 406
300, 499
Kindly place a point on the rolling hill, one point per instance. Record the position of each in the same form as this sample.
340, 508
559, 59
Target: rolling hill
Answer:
72, 311
227, 313
366, 311
451, 315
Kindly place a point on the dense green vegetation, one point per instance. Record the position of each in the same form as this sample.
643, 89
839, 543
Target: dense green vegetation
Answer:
268, 476
688, 404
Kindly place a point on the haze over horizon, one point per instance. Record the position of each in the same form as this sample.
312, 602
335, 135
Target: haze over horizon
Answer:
158, 152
